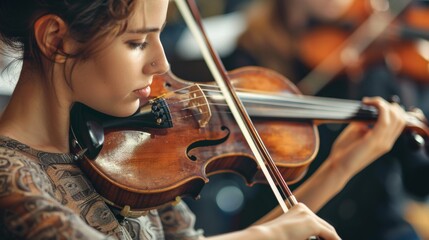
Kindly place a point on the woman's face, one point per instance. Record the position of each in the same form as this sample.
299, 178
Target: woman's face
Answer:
117, 78
327, 9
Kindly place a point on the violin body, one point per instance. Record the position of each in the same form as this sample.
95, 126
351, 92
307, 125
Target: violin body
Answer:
144, 168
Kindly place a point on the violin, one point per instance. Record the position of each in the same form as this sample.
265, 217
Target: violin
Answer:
409, 57
189, 11
328, 36
186, 133
365, 36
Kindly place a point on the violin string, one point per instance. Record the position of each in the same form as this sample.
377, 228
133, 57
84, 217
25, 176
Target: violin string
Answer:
310, 100
291, 97
288, 96
304, 113
296, 109
290, 115
187, 116
315, 109
268, 98
283, 114
301, 106
295, 104
291, 112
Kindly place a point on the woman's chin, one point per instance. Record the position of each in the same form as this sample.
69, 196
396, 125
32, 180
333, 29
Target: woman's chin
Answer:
143, 101
125, 111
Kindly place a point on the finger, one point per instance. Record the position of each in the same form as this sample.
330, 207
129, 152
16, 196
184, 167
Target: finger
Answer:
317, 226
327, 234
400, 116
326, 230
418, 113
383, 114
382, 132
390, 119
389, 125
397, 120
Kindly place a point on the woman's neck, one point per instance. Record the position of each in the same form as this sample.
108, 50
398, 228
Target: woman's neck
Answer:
35, 115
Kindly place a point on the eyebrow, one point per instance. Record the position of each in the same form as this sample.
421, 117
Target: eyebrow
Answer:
147, 30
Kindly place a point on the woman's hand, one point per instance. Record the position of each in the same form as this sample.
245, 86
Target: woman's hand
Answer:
298, 223
359, 144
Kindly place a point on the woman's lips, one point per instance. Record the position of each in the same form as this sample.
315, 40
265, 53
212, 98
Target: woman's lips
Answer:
143, 92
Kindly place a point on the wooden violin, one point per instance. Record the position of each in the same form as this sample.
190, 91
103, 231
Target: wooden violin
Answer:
186, 133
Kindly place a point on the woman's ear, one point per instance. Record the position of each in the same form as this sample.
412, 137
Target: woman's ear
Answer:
50, 33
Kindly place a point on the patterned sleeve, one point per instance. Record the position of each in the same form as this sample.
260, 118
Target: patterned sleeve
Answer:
27, 209
179, 222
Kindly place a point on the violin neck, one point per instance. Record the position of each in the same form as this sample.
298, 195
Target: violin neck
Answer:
319, 110
305, 108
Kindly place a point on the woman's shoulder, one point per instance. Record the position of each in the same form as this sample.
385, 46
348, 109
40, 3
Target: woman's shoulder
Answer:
17, 151
12, 149
13, 158
21, 173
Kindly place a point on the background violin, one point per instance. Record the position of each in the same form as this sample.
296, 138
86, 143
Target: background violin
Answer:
408, 56
364, 35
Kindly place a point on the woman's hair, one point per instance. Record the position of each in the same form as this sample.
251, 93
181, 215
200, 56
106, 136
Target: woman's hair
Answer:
90, 22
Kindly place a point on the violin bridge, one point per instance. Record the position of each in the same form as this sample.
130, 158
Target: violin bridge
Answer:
199, 105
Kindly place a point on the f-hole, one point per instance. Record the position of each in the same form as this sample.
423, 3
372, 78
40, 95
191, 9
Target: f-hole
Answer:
207, 143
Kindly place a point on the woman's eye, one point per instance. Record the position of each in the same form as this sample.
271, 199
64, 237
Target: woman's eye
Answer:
138, 45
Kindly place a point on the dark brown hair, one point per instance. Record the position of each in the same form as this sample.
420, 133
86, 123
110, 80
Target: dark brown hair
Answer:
90, 22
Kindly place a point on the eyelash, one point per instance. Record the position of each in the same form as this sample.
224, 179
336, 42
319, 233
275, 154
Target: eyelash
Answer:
140, 46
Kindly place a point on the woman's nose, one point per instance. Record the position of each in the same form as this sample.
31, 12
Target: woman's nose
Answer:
158, 64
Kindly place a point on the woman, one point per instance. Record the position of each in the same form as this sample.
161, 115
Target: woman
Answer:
104, 54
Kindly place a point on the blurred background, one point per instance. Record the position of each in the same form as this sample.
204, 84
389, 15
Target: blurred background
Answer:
343, 49
9, 71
